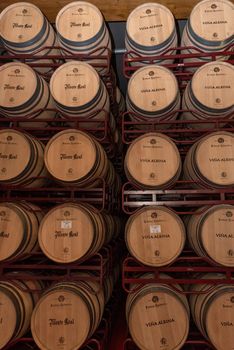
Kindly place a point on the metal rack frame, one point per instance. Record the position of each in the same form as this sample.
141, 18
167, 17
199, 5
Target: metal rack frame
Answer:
101, 197
182, 270
179, 67
183, 197
57, 60
180, 131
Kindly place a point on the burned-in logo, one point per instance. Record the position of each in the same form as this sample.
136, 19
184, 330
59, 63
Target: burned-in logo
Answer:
2, 213
3, 170
61, 298
24, 11
148, 11
70, 171
218, 100
152, 175
154, 215
230, 252
9, 138
223, 174
72, 138
61, 340
163, 341
74, 99
232, 300
216, 69
66, 250
152, 141
151, 73
80, 9
220, 140
155, 299
157, 253
152, 38
229, 214
75, 70
17, 71
214, 6
67, 213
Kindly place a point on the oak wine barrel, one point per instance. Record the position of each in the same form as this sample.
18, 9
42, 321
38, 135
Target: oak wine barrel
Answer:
23, 93
16, 306
158, 316
74, 231
153, 94
209, 162
213, 311
78, 91
67, 315
21, 159
155, 235
152, 161
210, 233
150, 31
19, 224
73, 157
210, 93
82, 31
210, 28
25, 30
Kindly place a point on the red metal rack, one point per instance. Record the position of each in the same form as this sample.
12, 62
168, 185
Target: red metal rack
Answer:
179, 67
180, 131
183, 271
99, 265
102, 197
182, 197
37, 60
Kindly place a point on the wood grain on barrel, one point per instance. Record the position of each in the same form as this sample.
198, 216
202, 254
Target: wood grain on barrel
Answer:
213, 85
150, 24
158, 317
79, 21
152, 160
210, 233
67, 314
70, 155
18, 84
212, 311
66, 233
152, 88
214, 158
20, 22
155, 235
213, 20
74, 84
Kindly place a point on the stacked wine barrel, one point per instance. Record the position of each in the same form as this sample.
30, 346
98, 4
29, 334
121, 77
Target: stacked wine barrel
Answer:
53, 112
74, 98
152, 93
158, 314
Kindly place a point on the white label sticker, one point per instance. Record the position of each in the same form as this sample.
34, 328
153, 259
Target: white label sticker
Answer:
66, 224
155, 228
